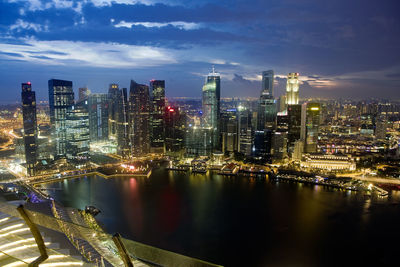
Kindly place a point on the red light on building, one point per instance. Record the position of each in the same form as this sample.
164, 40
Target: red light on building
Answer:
29, 83
171, 110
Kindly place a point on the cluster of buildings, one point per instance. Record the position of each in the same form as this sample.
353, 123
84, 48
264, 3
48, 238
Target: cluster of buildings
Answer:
142, 122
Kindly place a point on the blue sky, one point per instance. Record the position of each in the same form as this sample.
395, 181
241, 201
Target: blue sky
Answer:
341, 48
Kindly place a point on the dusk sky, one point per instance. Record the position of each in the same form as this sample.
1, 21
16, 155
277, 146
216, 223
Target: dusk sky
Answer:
341, 48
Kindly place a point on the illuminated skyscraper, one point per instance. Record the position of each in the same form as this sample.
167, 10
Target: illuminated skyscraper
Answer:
174, 129
157, 123
211, 107
30, 127
245, 131
61, 98
310, 125
118, 111
113, 98
292, 89
98, 117
139, 117
77, 133
294, 125
267, 105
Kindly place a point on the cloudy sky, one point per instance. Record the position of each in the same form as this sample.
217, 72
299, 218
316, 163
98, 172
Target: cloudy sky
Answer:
341, 48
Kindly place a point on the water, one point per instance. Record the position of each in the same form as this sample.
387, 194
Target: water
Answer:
242, 221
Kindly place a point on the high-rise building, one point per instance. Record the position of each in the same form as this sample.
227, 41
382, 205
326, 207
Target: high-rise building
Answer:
77, 133
61, 98
174, 129
229, 130
211, 107
139, 116
113, 98
310, 126
294, 125
266, 117
98, 117
30, 127
267, 105
245, 131
292, 89
280, 138
83, 93
157, 125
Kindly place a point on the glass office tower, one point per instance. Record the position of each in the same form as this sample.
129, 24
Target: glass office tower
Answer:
157, 124
211, 108
61, 98
139, 117
30, 127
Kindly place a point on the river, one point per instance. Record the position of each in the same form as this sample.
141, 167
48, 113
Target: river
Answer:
242, 221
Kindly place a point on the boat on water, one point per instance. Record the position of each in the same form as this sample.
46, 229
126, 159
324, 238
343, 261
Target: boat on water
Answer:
92, 210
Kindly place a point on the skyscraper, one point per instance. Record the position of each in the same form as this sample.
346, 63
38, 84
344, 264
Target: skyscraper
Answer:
310, 126
245, 131
30, 127
267, 104
139, 101
229, 130
211, 107
292, 89
61, 98
157, 125
98, 117
294, 125
113, 97
77, 133
280, 137
174, 129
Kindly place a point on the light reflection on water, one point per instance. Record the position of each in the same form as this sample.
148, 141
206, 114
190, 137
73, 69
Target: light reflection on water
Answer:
247, 221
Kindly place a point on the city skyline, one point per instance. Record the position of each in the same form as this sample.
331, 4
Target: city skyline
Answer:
336, 51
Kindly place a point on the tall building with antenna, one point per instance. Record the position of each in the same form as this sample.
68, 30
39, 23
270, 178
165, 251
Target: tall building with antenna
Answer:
211, 107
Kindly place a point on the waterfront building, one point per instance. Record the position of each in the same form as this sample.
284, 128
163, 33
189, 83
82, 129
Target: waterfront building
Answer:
292, 89
328, 162
30, 127
211, 95
139, 117
77, 134
98, 117
262, 144
245, 131
83, 93
157, 123
294, 125
174, 129
61, 98
311, 113
198, 141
